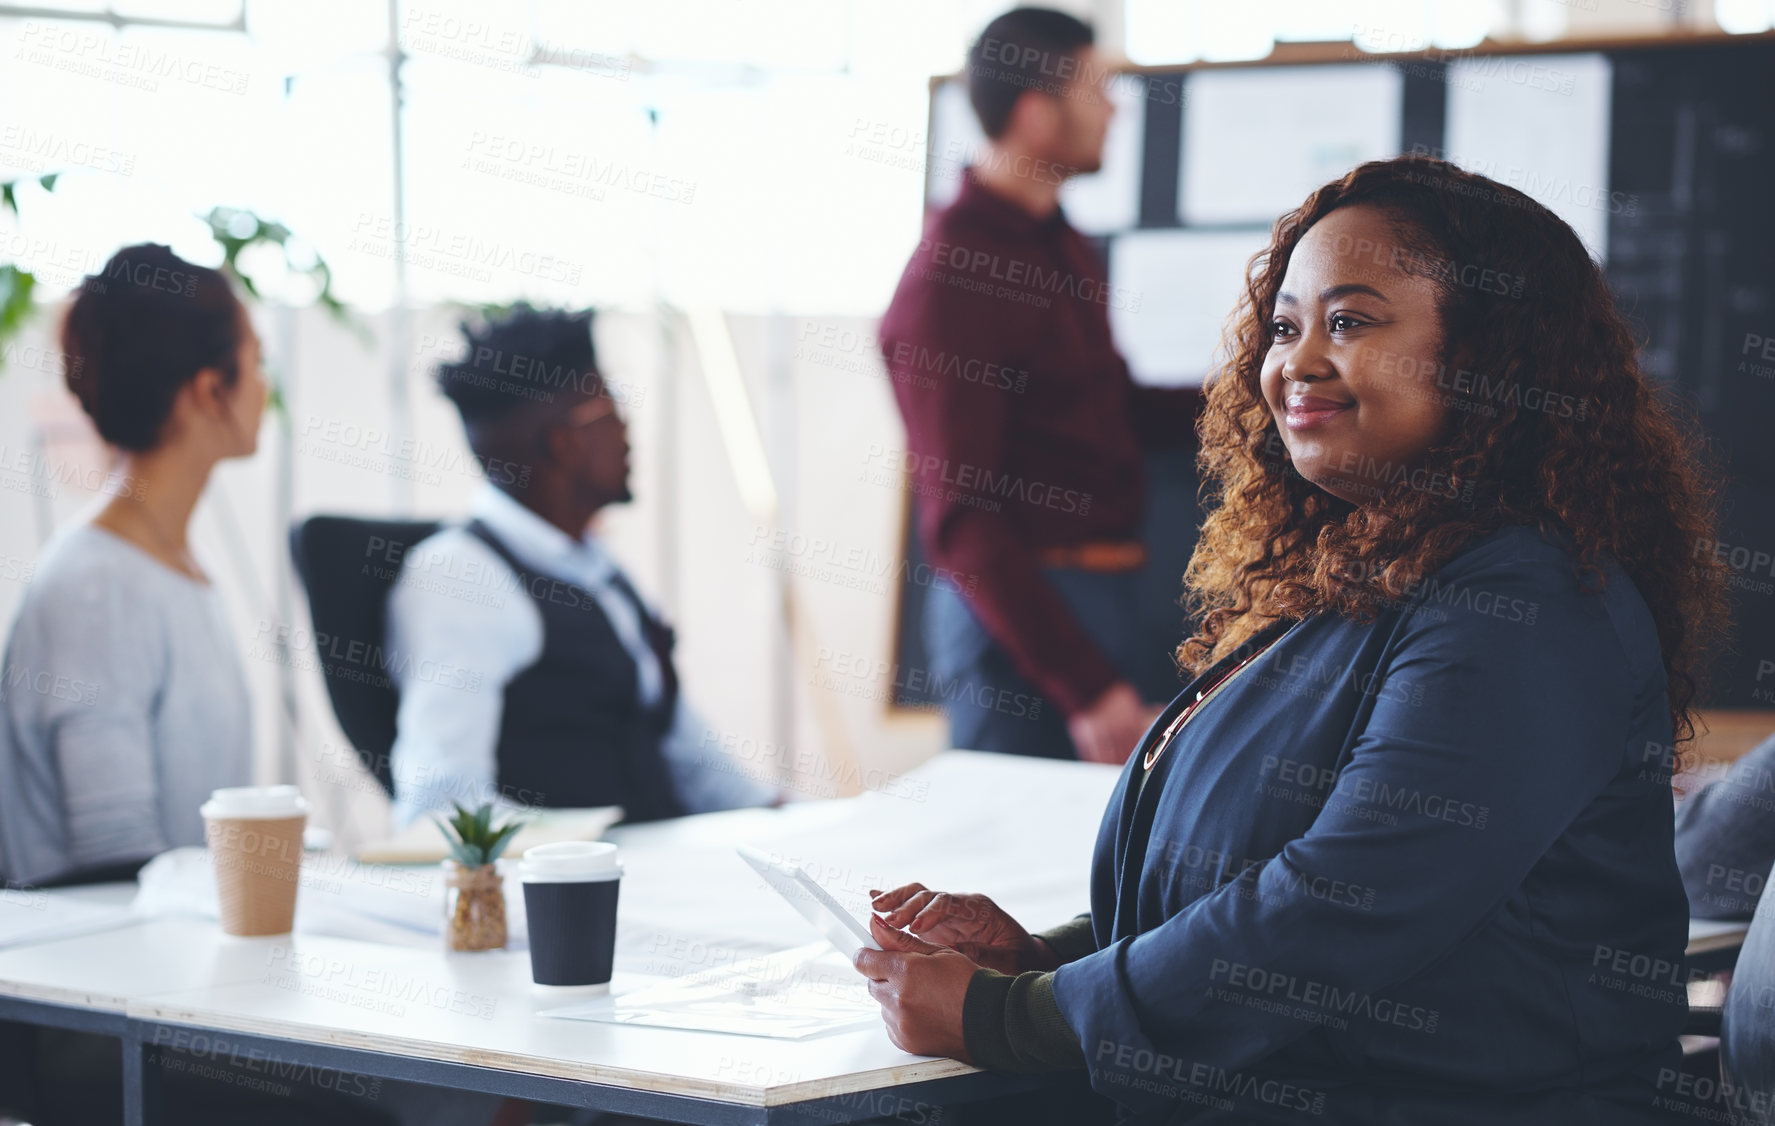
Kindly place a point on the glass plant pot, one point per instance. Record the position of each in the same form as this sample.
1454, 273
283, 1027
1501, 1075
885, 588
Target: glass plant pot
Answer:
474, 907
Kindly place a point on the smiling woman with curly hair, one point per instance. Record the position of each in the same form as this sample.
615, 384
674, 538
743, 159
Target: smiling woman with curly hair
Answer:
1546, 420
1401, 851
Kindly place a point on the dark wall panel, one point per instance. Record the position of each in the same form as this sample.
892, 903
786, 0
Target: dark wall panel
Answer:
1692, 258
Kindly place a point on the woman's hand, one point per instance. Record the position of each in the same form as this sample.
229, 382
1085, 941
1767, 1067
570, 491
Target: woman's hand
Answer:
972, 924
921, 988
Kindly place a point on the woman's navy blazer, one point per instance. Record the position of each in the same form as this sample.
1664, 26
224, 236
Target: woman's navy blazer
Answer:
1414, 870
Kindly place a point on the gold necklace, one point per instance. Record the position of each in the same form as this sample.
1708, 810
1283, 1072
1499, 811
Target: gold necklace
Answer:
1189, 709
183, 561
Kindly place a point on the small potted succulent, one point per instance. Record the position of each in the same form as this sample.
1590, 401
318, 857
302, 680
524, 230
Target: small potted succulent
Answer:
474, 898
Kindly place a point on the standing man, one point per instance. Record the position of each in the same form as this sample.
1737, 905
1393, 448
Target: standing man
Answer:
1025, 432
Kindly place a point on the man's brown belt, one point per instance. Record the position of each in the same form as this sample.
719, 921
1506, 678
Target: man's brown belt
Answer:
1124, 555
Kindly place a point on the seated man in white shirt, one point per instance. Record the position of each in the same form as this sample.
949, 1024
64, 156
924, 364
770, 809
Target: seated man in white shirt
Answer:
562, 691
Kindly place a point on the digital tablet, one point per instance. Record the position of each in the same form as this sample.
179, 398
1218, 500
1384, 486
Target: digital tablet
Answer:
815, 903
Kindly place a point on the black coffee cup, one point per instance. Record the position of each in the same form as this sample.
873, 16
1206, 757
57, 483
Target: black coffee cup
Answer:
570, 890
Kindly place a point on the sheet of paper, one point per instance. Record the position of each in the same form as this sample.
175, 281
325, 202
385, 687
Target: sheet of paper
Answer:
1103, 202
790, 995
1181, 288
389, 904
34, 915
1541, 125
1257, 141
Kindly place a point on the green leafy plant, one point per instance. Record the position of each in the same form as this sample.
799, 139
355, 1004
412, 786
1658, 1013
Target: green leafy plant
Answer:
237, 230
9, 191
474, 840
16, 282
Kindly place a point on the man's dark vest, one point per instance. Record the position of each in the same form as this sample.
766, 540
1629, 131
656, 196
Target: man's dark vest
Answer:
573, 732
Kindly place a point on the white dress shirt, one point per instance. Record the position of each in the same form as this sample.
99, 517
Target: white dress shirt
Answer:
459, 612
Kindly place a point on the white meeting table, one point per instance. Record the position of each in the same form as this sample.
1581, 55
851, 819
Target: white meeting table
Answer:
177, 991
1020, 830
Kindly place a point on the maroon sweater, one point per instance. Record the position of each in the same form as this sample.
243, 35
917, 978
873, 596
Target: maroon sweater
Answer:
1024, 429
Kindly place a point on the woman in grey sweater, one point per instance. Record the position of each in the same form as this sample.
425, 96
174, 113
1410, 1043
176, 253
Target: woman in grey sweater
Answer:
122, 700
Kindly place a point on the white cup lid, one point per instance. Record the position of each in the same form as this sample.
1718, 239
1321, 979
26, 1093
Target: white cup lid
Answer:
262, 802
570, 862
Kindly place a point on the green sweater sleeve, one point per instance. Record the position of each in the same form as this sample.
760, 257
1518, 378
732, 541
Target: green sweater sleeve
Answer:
1072, 939
1013, 1024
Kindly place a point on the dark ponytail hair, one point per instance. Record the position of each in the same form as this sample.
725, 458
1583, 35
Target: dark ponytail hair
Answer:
138, 331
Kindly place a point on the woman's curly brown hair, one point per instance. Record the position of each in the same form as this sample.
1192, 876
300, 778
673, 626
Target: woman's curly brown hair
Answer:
1619, 473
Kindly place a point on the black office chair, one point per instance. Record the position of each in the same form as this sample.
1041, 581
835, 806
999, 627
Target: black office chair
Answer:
348, 566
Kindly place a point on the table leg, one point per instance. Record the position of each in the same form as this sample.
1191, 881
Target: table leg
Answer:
141, 1083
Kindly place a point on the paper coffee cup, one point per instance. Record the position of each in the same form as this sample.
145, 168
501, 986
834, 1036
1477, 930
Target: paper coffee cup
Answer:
255, 840
570, 890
